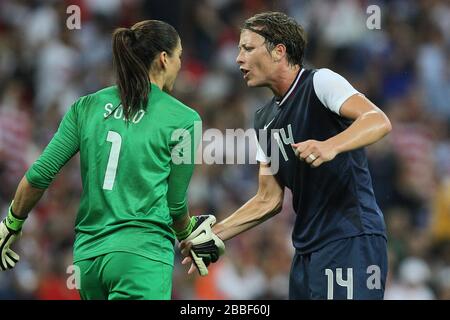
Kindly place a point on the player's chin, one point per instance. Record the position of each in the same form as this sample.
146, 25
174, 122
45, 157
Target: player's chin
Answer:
253, 83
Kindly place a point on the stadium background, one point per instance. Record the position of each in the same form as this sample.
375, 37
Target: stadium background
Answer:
403, 67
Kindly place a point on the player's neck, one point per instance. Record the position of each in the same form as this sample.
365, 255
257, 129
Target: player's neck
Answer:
157, 80
284, 80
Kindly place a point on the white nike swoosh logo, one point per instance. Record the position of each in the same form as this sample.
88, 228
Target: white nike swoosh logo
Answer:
267, 125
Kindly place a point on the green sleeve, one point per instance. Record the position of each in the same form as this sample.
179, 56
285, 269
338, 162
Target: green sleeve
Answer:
182, 168
63, 146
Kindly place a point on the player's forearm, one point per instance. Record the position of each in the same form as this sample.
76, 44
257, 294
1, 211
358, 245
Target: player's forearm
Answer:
181, 223
26, 198
367, 129
255, 211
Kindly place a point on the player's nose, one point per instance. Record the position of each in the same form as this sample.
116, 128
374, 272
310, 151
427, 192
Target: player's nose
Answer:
239, 59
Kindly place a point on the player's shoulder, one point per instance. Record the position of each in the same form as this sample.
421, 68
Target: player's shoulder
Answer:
104, 94
109, 93
111, 90
326, 80
323, 73
322, 76
174, 105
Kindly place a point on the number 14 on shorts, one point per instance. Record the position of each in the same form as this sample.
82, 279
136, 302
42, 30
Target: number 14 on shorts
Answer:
336, 276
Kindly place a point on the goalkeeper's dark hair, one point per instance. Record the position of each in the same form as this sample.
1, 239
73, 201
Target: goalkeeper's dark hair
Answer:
134, 51
278, 28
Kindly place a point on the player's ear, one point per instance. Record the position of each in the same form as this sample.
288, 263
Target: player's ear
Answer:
278, 52
163, 60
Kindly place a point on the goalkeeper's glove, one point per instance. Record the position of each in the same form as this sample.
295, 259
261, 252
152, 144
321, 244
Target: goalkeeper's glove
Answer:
10, 230
206, 246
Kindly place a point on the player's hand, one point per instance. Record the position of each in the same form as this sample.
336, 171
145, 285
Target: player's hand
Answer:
203, 246
314, 152
185, 249
10, 230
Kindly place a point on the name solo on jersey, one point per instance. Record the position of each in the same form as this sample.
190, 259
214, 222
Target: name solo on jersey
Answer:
118, 114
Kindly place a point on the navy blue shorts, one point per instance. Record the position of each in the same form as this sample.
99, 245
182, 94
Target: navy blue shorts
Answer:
351, 268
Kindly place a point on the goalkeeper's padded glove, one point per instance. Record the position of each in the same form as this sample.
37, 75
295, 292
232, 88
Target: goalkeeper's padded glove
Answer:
206, 246
10, 230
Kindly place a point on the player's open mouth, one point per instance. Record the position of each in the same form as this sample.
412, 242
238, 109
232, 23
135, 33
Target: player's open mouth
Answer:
245, 72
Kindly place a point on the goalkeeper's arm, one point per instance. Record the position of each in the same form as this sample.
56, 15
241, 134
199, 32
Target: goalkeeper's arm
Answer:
181, 224
64, 144
26, 198
11, 227
204, 246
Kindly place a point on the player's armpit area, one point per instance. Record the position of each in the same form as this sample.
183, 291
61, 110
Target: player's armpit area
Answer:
268, 187
370, 125
358, 105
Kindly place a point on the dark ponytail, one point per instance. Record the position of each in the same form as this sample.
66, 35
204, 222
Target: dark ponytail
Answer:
134, 50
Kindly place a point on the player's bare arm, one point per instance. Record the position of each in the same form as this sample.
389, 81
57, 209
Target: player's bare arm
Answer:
370, 125
26, 198
265, 204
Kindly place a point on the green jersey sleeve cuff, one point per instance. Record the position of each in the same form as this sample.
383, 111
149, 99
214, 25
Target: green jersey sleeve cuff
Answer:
181, 235
177, 213
36, 179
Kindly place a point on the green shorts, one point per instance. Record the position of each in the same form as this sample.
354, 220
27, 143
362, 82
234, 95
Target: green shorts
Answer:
123, 275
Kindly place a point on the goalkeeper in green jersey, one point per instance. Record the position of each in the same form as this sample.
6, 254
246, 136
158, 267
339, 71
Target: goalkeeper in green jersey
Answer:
136, 145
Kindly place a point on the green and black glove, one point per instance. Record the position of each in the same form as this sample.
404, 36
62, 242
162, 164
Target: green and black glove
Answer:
206, 246
10, 230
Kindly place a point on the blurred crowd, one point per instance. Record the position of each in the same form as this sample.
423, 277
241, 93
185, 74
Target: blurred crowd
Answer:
403, 67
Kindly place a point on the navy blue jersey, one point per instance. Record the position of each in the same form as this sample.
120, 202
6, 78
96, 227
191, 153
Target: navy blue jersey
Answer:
335, 200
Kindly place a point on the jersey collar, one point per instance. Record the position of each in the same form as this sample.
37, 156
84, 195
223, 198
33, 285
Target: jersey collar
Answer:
291, 89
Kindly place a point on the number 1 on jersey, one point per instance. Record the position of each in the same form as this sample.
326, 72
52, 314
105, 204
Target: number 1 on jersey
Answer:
111, 168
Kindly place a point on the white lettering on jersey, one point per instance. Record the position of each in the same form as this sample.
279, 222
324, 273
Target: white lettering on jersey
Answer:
118, 113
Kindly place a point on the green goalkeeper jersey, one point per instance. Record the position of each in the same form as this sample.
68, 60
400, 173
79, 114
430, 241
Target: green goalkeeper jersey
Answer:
135, 174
